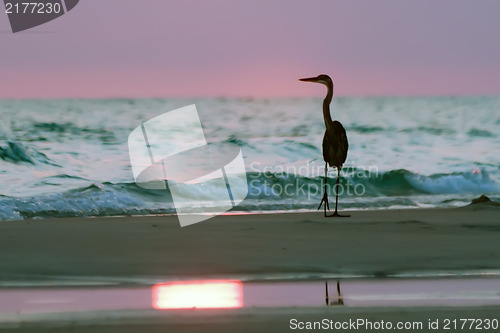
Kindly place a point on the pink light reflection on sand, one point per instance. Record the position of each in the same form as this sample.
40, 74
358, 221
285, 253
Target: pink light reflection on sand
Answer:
208, 294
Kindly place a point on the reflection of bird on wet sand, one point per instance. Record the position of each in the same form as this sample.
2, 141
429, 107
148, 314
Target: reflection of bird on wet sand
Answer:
340, 299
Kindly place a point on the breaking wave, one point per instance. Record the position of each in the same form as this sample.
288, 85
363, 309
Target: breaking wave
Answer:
266, 192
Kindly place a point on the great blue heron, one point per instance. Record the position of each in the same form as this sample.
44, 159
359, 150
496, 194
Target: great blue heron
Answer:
335, 143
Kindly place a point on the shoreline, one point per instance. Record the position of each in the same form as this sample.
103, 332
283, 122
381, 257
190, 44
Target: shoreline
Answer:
466, 205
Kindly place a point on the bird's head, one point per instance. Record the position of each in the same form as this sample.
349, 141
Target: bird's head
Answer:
323, 79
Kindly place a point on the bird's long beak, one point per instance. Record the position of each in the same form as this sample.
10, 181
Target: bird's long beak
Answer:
309, 79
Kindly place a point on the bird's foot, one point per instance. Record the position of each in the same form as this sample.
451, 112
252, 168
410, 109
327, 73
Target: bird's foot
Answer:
327, 205
336, 214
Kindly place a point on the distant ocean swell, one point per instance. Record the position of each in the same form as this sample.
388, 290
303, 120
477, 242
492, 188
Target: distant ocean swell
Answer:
267, 192
16, 152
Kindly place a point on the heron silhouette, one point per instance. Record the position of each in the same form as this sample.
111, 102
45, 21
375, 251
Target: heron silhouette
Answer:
335, 143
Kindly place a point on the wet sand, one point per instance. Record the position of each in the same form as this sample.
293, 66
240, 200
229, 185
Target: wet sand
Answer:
255, 320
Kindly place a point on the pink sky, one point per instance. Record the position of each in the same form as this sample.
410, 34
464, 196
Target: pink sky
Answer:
160, 48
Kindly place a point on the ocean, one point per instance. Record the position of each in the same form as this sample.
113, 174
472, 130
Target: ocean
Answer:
64, 158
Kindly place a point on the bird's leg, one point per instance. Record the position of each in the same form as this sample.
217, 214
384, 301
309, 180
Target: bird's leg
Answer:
327, 300
340, 299
335, 213
325, 193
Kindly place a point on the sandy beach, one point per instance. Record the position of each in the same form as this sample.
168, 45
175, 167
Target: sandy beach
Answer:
369, 243
126, 250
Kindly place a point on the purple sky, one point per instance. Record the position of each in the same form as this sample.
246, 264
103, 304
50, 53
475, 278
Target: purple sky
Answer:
160, 48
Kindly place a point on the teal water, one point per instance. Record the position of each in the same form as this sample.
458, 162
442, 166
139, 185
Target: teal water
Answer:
70, 157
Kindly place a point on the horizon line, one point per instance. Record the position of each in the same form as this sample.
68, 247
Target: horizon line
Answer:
242, 97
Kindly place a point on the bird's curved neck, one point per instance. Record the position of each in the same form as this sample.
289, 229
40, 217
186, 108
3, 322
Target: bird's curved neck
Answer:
326, 107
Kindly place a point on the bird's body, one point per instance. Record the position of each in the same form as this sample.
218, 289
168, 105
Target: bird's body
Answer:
335, 144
